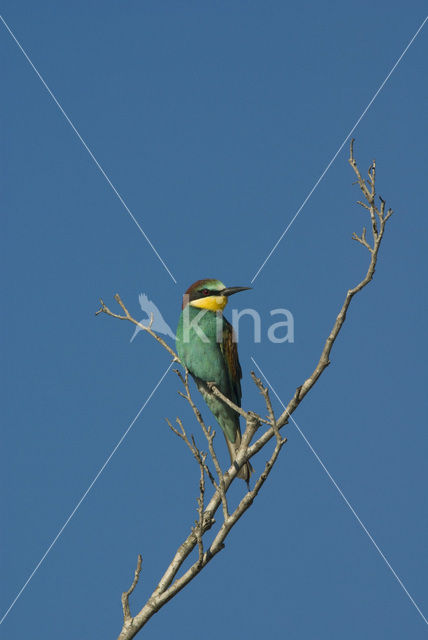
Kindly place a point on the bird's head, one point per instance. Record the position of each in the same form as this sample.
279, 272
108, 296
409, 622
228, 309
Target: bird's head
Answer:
209, 294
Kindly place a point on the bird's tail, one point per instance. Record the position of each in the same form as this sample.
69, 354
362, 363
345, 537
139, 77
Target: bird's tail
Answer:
246, 470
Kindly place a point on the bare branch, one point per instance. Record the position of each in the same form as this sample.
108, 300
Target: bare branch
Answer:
197, 454
148, 328
211, 386
210, 435
216, 392
171, 582
199, 528
366, 191
324, 360
362, 240
369, 194
218, 542
265, 393
125, 595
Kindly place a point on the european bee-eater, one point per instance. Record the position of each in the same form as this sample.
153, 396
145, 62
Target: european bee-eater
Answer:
205, 345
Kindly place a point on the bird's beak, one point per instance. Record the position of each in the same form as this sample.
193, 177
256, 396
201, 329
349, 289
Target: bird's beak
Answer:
229, 291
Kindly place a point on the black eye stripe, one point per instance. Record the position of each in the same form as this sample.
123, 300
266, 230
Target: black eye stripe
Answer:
209, 292
203, 293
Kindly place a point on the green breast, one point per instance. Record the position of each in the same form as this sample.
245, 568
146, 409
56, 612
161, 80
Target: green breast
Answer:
204, 359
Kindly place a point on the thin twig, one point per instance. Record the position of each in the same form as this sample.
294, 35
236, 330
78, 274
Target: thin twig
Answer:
148, 328
216, 392
199, 528
265, 393
362, 239
193, 448
210, 435
324, 360
125, 595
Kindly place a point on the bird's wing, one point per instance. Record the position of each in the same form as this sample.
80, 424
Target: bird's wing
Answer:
230, 355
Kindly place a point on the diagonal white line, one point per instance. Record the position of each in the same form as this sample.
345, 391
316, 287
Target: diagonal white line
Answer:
348, 504
149, 397
340, 148
121, 200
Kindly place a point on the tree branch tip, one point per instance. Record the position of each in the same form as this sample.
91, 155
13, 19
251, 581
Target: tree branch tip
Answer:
126, 594
102, 308
363, 204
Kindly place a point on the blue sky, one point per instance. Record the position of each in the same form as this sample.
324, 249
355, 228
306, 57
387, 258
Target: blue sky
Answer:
213, 120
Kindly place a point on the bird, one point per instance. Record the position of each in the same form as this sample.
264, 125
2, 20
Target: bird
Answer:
206, 347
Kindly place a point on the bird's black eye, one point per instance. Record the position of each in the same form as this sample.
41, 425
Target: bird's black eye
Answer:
205, 292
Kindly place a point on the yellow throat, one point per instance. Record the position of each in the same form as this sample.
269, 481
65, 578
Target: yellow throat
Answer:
212, 303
